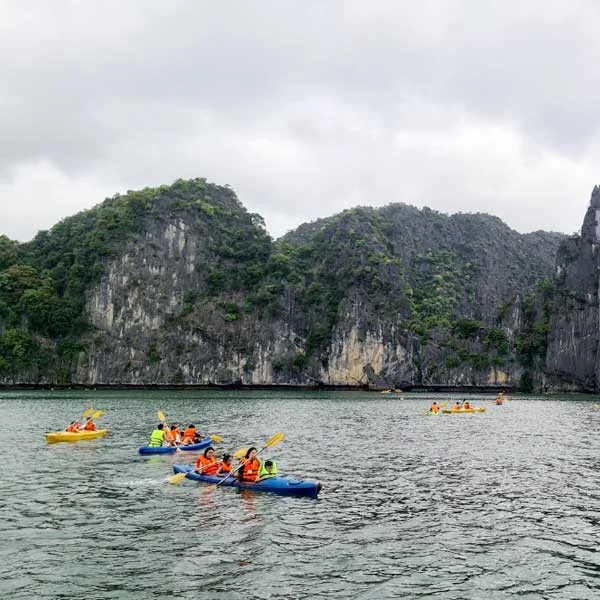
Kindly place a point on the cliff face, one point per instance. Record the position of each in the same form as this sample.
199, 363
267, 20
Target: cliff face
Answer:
572, 359
181, 285
378, 297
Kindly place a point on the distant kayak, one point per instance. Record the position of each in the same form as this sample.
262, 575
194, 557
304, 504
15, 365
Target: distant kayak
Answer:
275, 485
431, 414
449, 411
144, 450
74, 436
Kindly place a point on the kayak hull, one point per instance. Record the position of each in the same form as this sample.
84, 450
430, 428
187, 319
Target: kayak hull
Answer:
275, 485
74, 436
145, 450
463, 411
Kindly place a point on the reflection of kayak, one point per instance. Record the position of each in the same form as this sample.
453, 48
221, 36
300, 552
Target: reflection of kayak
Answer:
74, 436
448, 411
276, 485
172, 449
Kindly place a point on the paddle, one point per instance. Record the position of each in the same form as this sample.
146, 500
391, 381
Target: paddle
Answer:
86, 414
163, 419
272, 441
178, 477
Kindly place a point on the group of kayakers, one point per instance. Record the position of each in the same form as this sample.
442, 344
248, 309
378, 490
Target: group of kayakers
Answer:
249, 468
75, 426
464, 405
171, 435
435, 407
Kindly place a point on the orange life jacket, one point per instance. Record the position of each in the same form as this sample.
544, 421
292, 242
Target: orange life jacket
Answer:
189, 434
224, 467
90, 426
72, 428
251, 468
434, 408
456, 407
209, 466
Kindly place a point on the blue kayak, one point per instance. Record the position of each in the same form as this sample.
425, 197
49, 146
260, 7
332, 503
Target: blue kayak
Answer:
276, 485
172, 449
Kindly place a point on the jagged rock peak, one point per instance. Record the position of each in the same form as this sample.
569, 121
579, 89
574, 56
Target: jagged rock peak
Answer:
590, 231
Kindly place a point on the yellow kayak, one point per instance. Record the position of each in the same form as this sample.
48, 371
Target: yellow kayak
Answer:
449, 411
74, 436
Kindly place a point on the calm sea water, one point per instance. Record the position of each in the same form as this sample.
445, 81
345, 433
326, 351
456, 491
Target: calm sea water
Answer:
488, 506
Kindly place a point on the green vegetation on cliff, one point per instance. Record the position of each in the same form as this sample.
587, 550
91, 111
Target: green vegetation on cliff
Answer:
445, 288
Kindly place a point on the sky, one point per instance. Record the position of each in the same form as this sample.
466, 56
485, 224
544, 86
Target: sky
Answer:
304, 108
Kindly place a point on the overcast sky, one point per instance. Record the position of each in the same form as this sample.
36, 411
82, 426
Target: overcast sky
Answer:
305, 108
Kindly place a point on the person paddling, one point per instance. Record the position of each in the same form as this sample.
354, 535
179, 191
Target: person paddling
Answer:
434, 408
190, 435
456, 407
249, 466
499, 398
89, 425
157, 436
206, 464
466, 405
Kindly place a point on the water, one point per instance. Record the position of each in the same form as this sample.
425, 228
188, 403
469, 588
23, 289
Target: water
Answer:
455, 507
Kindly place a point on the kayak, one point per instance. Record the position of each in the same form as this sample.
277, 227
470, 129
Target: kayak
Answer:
431, 414
74, 436
276, 485
449, 411
172, 449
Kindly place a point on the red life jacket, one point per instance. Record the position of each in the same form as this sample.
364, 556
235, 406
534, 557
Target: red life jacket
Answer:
90, 426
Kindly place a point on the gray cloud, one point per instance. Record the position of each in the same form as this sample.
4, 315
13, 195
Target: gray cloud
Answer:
303, 108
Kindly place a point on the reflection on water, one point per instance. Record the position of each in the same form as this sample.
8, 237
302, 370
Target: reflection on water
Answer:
484, 506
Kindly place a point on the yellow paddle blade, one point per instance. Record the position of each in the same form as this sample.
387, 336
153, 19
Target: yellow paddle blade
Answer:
275, 439
88, 412
177, 478
240, 453
216, 438
161, 416
97, 414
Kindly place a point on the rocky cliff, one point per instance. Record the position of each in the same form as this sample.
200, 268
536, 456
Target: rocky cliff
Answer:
181, 285
572, 358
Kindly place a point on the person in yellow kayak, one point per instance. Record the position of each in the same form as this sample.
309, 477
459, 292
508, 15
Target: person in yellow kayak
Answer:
434, 408
89, 425
466, 405
157, 436
73, 427
456, 407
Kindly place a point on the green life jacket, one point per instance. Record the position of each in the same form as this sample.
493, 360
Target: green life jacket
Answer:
156, 439
262, 471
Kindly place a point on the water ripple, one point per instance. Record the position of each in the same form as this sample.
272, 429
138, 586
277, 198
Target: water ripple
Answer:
471, 506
